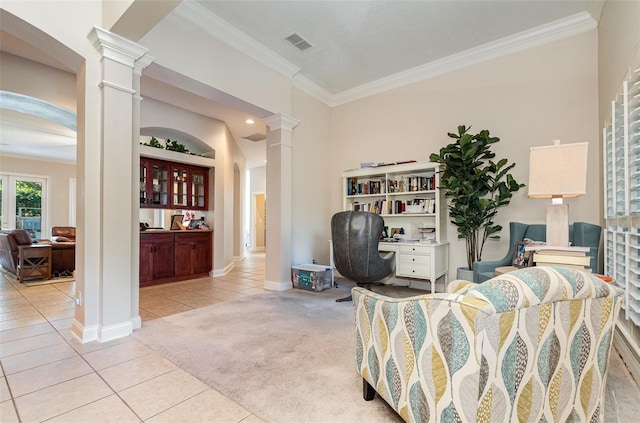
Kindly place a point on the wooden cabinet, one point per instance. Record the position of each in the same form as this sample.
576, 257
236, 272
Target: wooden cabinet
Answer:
190, 185
407, 197
154, 183
156, 257
193, 254
168, 185
173, 256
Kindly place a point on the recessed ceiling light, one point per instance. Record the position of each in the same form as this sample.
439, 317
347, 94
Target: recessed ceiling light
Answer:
250, 121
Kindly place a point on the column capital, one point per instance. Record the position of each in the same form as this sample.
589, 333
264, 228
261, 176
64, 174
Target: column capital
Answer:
280, 121
115, 47
144, 61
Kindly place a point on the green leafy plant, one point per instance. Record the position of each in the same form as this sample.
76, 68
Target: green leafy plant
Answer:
176, 146
476, 185
153, 142
170, 145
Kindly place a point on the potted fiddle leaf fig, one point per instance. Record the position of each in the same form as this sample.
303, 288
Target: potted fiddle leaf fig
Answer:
476, 185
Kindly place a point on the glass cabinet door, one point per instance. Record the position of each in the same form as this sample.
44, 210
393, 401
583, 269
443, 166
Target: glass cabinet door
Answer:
180, 179
143, 183
198, 189
160, 196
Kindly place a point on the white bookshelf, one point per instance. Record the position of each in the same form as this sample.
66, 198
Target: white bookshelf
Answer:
407, 198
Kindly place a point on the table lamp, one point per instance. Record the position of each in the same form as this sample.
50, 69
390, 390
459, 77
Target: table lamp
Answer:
558, 171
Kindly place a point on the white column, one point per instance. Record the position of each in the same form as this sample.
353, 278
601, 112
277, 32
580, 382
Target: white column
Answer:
279, 201
111, 311
139, 65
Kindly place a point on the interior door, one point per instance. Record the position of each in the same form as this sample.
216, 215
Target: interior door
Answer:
260, 222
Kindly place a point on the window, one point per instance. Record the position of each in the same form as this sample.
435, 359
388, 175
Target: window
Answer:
621, 139
22, 204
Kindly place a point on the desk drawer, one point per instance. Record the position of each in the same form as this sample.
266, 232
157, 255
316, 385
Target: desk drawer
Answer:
414, 270
413, 259
414, 249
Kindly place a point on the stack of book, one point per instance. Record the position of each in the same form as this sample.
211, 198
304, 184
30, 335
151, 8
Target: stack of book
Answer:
572, 257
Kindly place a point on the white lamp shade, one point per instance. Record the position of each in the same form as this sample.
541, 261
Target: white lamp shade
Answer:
558, 171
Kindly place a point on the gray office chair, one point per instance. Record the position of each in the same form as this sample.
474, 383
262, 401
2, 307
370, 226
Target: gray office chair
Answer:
355, 236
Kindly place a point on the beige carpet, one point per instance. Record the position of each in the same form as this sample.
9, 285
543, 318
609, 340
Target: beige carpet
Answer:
289, 357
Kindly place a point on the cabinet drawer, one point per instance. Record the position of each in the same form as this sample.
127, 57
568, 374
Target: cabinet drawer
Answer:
192, 236
151, 238
414, 249
414, 270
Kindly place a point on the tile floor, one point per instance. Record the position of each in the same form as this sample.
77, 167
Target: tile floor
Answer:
49, 376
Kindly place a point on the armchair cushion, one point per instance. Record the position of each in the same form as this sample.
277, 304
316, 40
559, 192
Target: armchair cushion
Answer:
63, 233
530, 345
21, 237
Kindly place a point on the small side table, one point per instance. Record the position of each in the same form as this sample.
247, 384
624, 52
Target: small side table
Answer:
503, 269
34, 262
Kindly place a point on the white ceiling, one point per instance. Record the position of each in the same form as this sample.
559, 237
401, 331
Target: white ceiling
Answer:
355, 44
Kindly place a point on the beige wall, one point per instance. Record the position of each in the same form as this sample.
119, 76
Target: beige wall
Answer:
312, 181
214, 133
36, 80
181, 46
527, 99
618, 40
58, 185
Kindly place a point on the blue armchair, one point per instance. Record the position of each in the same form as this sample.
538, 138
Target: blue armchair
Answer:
580, 234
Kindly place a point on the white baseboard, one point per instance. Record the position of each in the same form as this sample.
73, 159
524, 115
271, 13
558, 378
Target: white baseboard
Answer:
222, 272
111, 332
84, 334
136, 322
277, 286
623, 342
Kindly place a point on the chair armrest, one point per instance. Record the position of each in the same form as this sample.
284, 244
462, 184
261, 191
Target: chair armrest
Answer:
489, 266
403, 343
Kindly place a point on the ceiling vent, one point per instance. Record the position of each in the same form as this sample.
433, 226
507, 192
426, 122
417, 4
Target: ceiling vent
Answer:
298, 42
255, 137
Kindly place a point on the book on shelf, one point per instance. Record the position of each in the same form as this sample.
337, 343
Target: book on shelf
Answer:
583, 260
555, 249
368, 187
569, 266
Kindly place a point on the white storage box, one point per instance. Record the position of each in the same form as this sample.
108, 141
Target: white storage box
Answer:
312, 277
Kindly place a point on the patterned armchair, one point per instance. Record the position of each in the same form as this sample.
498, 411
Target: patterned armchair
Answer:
530, 345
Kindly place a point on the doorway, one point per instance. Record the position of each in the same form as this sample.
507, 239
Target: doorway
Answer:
259, 241
22, 204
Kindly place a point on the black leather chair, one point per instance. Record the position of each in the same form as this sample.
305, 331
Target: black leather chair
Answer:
355, 236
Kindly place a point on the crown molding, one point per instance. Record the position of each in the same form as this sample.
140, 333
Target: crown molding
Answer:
562, 28
307, 86
224, 31
221, 29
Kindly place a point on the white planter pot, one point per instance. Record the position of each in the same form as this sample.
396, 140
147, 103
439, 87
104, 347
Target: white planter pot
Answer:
465, 274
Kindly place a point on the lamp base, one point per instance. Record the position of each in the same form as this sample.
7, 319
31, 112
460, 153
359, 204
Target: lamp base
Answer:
558, 225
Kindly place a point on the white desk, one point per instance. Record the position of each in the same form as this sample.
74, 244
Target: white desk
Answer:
419, 261
415, 260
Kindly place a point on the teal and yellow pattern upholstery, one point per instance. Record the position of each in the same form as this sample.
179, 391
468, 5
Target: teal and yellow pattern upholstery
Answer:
531, 346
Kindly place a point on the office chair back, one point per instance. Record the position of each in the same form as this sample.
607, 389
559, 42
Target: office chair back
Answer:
355, 236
